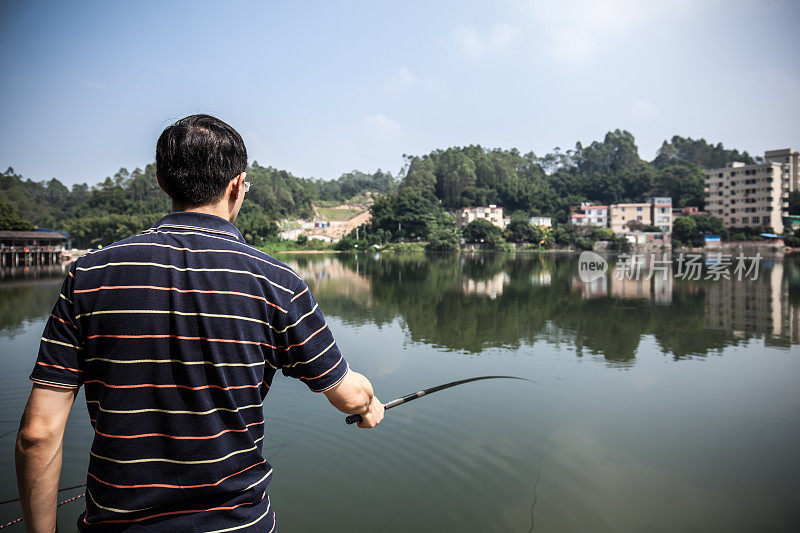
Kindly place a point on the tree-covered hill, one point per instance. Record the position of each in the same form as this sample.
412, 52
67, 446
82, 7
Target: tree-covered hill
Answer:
129, 202
607, 171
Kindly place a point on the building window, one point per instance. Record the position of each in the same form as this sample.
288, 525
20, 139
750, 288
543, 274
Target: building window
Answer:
638, 208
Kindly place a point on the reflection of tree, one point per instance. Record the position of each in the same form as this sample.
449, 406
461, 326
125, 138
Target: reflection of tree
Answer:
21, 301
427, 293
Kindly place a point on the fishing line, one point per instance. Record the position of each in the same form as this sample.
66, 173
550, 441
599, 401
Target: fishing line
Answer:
59, 490
536, 493
59, 504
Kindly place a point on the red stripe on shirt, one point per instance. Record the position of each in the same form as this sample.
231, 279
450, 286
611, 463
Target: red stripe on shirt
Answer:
177, 437
60, 367
64, 321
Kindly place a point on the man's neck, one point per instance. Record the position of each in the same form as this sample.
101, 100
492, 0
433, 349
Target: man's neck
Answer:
211, 209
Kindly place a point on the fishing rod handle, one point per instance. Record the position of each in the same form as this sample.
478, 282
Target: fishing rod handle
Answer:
352, 419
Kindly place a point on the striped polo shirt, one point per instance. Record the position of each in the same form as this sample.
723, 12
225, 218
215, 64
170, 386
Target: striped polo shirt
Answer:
176, 335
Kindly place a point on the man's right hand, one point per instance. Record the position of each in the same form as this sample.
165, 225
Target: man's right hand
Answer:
373, 415
354, 396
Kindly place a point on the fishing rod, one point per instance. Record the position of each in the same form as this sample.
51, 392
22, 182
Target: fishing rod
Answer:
352, 419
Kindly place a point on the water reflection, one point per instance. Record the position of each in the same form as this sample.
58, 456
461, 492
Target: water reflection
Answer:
469, 303
759, 308
708, 447
25, 292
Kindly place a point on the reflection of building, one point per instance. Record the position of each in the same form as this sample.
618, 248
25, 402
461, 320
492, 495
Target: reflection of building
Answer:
492, 287
592, 289
493, 214
758, 306
542, 278
587, 214
656, 212
631, 282
658, 288
754, 195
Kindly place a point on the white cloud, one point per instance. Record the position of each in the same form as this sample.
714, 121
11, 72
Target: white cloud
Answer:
472, 44
400, 79
90, 83
642, 110
381, 124
578, 30
404, 77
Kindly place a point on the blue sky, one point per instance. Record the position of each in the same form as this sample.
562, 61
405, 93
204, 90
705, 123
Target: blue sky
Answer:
323, 88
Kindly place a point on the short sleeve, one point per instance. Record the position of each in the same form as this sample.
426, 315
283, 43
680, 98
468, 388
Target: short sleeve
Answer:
59, 361
305, 344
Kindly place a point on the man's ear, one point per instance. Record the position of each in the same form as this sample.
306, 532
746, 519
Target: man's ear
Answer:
161, 184
238, 187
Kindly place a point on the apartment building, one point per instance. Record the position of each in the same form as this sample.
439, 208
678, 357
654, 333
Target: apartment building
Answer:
754, 195
689, 210
655, 212
543, 222
790, 162
493, 214
587, 214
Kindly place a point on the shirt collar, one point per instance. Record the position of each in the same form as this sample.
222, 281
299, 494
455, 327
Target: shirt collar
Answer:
190, 220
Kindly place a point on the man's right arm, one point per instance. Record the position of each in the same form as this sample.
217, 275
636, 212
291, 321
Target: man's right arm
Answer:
353, 395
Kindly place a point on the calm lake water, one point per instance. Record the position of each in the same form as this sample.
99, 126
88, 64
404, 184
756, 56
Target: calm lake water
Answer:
658, 405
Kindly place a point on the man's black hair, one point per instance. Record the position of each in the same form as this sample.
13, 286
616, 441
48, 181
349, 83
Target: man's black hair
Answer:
197, 157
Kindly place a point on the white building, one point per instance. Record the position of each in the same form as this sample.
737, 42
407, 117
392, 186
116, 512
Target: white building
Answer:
493, 214
544, 222
587, 214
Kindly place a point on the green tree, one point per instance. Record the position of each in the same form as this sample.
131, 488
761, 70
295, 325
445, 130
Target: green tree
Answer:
443, 239
9, 220
699, 152
481, 230
684, 229
406, 213
519, 230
